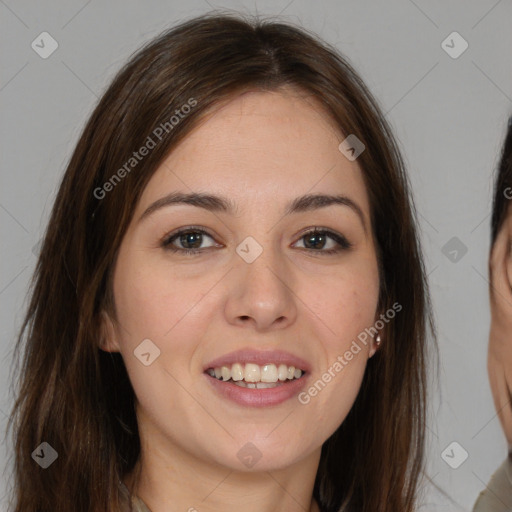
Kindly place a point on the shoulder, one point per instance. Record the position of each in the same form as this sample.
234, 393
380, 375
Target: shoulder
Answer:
498, 495
137, 505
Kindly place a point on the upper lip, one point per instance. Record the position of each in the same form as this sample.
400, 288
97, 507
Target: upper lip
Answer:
259, 357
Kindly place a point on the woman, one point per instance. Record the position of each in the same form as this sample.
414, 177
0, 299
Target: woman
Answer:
186, 346
498, 495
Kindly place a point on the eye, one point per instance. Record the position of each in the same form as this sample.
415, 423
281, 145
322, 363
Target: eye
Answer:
191, 238
316, 240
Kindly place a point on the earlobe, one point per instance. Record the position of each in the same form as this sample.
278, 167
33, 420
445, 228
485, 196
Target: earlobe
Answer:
108, 338
377, 339
375, 345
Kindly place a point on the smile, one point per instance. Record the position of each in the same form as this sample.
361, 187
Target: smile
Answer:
255, 376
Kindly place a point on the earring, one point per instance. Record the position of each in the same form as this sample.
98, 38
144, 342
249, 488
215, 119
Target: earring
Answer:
378, 340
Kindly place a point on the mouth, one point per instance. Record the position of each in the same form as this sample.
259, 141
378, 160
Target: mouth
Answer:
257, 378
254, 376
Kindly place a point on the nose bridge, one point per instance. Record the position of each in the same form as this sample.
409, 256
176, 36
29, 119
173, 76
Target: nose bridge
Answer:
262, 267
261, 288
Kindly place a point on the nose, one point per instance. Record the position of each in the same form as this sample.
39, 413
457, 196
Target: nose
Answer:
261, 293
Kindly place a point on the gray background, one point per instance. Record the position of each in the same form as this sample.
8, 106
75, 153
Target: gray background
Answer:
448, 114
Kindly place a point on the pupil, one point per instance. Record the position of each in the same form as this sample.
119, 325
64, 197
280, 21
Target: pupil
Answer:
191, 238
317, 238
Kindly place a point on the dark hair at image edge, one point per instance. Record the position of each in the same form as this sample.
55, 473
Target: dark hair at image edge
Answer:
79, 399
502, 184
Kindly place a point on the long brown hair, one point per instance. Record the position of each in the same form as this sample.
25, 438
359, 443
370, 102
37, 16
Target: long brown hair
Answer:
79, 399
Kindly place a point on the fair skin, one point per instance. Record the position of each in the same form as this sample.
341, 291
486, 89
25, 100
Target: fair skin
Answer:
260, 150
499, 362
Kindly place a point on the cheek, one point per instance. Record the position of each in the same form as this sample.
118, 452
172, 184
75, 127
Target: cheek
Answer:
155, 302
152, 305
348, 309
151, 301
346, 302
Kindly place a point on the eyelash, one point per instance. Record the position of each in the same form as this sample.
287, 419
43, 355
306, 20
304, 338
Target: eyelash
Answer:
343, 243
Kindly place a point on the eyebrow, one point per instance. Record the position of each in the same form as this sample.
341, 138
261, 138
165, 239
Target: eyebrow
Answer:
214, 203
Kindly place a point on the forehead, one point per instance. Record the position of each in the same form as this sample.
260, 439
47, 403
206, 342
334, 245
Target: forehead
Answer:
261, 146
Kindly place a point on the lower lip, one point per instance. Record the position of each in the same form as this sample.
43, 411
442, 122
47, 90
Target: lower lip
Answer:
258, 397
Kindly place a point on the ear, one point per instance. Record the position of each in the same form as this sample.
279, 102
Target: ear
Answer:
376, 343
108, 336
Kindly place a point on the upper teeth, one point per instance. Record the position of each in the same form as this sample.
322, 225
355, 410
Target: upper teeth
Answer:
255, 373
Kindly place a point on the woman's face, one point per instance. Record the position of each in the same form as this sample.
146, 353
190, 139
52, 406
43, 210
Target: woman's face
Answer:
260, 283
499, 362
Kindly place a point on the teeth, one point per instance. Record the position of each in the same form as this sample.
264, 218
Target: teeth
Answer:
252, 373
258, 385
254, 376
269, 373
282, 372
225, 373
237, 372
